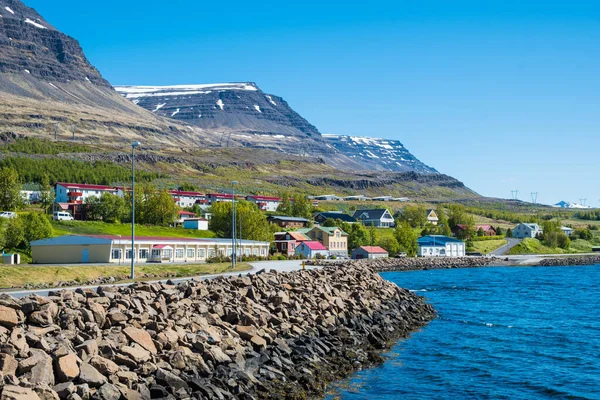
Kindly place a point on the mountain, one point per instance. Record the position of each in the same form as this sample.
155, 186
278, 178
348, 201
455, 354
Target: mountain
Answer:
566, 204
378, 154
47, 84
241, 114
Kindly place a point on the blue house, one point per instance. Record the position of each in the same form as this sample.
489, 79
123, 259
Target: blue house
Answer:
440, 246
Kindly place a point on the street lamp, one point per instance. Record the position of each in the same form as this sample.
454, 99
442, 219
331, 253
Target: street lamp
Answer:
233, 252
133, 146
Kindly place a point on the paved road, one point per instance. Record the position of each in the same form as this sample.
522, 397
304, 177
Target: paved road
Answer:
504, 249
281, 266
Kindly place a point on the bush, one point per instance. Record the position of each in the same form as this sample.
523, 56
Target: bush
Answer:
484, 238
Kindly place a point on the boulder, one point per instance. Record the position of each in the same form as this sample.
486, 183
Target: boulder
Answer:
67, 367
91, 376
140, 337
11, 392
8, 317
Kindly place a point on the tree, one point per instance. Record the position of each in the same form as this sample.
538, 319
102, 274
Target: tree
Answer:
480, 232
302, 206
443, 225
508, 233
357, 235
160, 209
10, 190
329, 222
112, 208
285, 207
415, 216
92, 208
407, 238
35, 227
47, 194
187, 187
14, 234
499, 231
372, 235
251, 223
563, 241
389, 243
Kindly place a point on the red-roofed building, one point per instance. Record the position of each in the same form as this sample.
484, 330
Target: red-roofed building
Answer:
286, 242
265, 203
71, 197
462, 230
217, 197
311, 249
369, 252
188, 199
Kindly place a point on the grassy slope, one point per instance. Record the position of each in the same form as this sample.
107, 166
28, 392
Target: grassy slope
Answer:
487, 246
20, 276
103, 228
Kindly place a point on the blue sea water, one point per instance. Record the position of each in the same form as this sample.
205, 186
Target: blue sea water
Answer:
501, 333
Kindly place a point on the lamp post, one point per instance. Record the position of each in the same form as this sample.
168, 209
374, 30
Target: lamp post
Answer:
133, 146
233, 252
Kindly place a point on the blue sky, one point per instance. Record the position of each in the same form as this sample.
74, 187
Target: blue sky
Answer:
500, 94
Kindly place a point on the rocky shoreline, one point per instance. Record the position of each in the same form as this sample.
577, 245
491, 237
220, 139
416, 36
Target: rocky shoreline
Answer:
566, 261
414, 263
264, 336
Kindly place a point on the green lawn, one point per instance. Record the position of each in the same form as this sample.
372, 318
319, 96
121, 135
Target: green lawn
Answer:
20, 276
534, 246
487, 246
103, 228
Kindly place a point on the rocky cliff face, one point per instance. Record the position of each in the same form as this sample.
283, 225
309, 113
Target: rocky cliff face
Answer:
378, 154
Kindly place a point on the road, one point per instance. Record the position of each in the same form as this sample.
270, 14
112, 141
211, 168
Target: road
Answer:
504, 249
281, 266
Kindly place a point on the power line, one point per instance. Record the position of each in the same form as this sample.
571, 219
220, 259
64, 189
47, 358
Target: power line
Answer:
534, 196
514, 194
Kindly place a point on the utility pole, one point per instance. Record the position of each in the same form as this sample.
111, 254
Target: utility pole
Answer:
233, 251
55, 130
514, 194
582, 201
73, 130
534, 196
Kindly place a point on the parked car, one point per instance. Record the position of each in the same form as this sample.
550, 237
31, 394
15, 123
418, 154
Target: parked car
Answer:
62, 216
8, 214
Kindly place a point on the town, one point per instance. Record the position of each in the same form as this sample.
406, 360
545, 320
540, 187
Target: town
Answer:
299, 227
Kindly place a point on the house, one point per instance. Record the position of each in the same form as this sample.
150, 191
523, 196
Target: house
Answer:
311, 249
379, 217
183, 215
566, 230
359, 197
265, 203
199, 224
333, 238
106, 249
335, 215
523, 231
440, 246
369, 252
71, 197
488, 230
382, 198
186, 199
288, 222
432, 217
31, 196
327, 197
286, 242
217, 197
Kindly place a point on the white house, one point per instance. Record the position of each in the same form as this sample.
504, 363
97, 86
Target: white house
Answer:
440, 246
79, 192
31, 196
328, 197
369, 252
359, 197
265, 203
199, 224
217, 197
566, 230
187, 199
523, 231
432, 217
379, 217
382, 198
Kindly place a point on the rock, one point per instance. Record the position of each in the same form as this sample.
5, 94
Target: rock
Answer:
259, 342
91, 376
136, 353
246, 332
8, 317
170, 379
109, 392
141, 337
64, 390
67, 367
11, 392
104, 365
8, 364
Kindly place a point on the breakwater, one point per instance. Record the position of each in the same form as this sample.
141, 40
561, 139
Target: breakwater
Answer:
413, 263
566, 261
269, 335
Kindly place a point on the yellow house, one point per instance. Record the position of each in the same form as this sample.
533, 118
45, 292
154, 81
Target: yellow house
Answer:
335, 239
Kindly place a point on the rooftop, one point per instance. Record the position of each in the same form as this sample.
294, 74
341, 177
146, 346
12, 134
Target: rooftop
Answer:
374, 249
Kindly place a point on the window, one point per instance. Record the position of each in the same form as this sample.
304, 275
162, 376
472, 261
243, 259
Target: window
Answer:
201, 253
143, 254
211, 253
116, 254
283, 246
338, 234
128, 253
167, 253
262, 251
190, 253
155, 252
178, 253
246, 251
255, 251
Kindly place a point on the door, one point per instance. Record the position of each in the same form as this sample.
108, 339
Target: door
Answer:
85, 256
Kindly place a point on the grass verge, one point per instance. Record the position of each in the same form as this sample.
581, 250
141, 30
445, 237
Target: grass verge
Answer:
104, 228
23, 275
487, 246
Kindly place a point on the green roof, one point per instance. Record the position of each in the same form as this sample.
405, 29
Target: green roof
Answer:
328, 229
